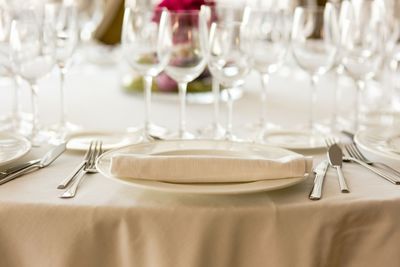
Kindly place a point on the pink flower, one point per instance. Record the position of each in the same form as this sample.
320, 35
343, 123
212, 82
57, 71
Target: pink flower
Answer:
178, 5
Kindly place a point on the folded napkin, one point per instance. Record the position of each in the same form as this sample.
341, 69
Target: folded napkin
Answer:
208, 169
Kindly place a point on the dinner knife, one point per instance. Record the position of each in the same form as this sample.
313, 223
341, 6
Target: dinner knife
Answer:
48, 158
335, 156
320, 173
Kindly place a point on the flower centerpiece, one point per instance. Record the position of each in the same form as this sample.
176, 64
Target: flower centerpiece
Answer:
163, 83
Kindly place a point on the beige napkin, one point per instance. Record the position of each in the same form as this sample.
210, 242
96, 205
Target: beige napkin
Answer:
208, 169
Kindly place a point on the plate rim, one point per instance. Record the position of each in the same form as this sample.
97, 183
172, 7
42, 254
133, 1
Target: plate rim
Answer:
388, 154
102, 132
183, 188
22, 139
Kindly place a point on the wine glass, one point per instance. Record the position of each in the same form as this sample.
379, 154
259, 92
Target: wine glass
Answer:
362, 46
271, 40
63, 17
219, 12
33, 55
229, 60
187, 60
314, 43
142, 35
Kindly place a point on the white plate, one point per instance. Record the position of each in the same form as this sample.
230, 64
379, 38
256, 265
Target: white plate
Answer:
111, 140
383, 143
12, 147
294, 140
203, 147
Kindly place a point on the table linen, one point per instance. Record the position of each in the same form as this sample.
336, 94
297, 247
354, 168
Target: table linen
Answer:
111, 224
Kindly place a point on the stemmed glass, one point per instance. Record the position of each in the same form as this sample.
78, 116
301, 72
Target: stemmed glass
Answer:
362, 47
143, 37
219, 13
315, 39
33, 55
187, 56
271, 40
229, 60
63, 17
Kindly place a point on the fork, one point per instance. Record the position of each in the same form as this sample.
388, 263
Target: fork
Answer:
353, 150
82, 165
90, 167
355, 155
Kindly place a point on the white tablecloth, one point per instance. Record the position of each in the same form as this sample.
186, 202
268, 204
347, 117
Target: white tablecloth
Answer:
111, 224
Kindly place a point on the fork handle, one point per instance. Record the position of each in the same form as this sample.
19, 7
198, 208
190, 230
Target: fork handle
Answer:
387, 167
71, 177
342, 181
71, 191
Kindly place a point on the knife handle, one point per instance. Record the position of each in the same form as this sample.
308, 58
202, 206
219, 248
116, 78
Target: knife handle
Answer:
342, 181
18, 168
19, 173
316, 192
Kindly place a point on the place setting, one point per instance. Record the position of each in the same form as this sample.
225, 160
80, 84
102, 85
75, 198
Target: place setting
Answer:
224, 44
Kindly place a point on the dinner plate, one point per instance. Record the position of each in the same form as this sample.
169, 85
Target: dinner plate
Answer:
80, 141
201, 147
12, 147
383, 143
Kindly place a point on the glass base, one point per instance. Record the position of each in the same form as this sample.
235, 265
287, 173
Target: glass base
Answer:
212, 131
297, 140
181, 136
156, 132
58, 133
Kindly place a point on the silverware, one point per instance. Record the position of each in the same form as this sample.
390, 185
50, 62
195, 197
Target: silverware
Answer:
353, 150
320, 173
335, 156
18, 167
377, 171
48, 158
78, 169
90, 167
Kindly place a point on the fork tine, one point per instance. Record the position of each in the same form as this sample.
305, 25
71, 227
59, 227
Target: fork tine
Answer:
330, 142
358, 152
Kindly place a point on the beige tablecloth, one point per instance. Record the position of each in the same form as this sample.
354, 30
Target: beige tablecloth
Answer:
111, 224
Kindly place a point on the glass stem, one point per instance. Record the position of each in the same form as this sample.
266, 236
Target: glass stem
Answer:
264, 82
35, 109
15, 110
357, 104
229, 121
148, 82
216, 92
334, 118
182, 111
63, 113
311, 123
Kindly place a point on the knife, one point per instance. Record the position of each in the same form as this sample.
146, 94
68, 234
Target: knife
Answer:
320, 173
48, 158
335, 156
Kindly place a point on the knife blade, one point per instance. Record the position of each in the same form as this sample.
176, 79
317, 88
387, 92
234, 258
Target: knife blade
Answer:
320, 173
48, 158
335, 156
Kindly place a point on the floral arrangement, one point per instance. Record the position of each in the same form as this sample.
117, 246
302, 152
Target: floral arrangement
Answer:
163, 83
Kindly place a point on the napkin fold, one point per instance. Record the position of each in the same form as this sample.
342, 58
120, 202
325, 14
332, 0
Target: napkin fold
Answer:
208, 169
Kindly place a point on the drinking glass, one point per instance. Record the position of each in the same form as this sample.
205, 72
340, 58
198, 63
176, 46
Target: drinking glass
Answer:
229, 60
63, 18
271, 30
219, 12
143, 34
10, 120
362, 46
187, 60
33, 55
314, 43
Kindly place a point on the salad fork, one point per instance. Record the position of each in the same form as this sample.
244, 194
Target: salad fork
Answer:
90, 167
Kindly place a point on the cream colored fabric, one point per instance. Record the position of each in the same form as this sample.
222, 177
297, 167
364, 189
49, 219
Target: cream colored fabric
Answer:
208, 168
110, 224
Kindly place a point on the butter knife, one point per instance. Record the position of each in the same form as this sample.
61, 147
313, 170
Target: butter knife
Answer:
320, 173
48, 158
